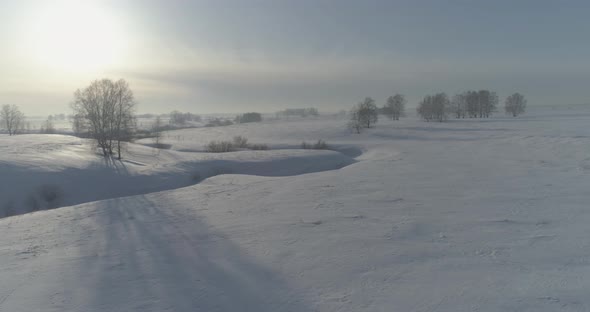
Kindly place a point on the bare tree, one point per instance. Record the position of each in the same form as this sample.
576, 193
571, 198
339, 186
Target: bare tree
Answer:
355, 123
105, 109
459, 105
472, 101
248, 117
368, 112
488, 101
80, 125
395, 106
47, 127
515, 104
157, 131
180, 119
434, 107
12, 119
124, 120
424, 108
363, 115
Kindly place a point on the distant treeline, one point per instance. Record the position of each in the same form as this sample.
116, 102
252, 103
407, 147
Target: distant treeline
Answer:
437, 107
298, 112
469, 104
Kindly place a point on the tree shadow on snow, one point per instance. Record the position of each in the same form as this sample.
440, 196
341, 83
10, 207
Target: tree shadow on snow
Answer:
153, 260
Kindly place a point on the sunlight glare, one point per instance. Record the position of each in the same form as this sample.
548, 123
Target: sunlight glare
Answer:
76, 36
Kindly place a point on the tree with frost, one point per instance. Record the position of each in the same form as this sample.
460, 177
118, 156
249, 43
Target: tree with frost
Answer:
105, 109
459, 105
12, 119
434, 107
515, 104
367, 112
355, 123
157, 131
395, 106
488, 102
47, 127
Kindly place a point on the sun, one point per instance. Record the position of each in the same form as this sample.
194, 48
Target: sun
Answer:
75, 36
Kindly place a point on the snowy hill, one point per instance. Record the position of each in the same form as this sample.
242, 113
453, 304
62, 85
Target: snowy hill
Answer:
48, 171
469, 215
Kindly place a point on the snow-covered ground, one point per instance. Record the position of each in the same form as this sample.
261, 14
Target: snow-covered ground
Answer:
469, 215
48, 171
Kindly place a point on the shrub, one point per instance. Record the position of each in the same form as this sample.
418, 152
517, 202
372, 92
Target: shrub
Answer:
46, 196
249, 117
240, 142
258, 147
320, 144
220, 147
50, 195
216, 122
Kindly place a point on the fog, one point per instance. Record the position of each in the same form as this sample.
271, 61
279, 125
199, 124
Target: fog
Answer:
224, 57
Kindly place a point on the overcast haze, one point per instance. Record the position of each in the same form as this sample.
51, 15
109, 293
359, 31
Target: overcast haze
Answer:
232, 56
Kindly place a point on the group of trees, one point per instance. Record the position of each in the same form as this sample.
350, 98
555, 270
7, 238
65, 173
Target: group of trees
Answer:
178, 118
474, 104
47, 127
218, 122
363, 115
104, 111
299, 112
57, 117
471, 104
437, 107
248, 117
434, 107
366, 113
12, 119
395, 107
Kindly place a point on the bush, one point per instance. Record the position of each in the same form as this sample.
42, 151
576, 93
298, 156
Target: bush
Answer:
319, 145
258, 147
178, 118
50, 195
249, 117
220, 147
46, 196
240, 142
216, 122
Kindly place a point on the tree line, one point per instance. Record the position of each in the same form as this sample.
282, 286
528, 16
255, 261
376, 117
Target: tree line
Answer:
366, 113
469, 104
436, 107
104, 111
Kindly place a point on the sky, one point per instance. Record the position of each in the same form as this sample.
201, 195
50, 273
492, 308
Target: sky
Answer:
223, 56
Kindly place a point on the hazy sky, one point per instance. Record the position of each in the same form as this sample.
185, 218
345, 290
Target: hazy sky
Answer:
232, 56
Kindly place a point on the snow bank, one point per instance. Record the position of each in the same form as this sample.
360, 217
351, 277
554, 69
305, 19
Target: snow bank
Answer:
39, 172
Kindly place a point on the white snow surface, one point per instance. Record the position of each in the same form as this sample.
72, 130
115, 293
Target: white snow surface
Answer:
469, 215
66, 165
